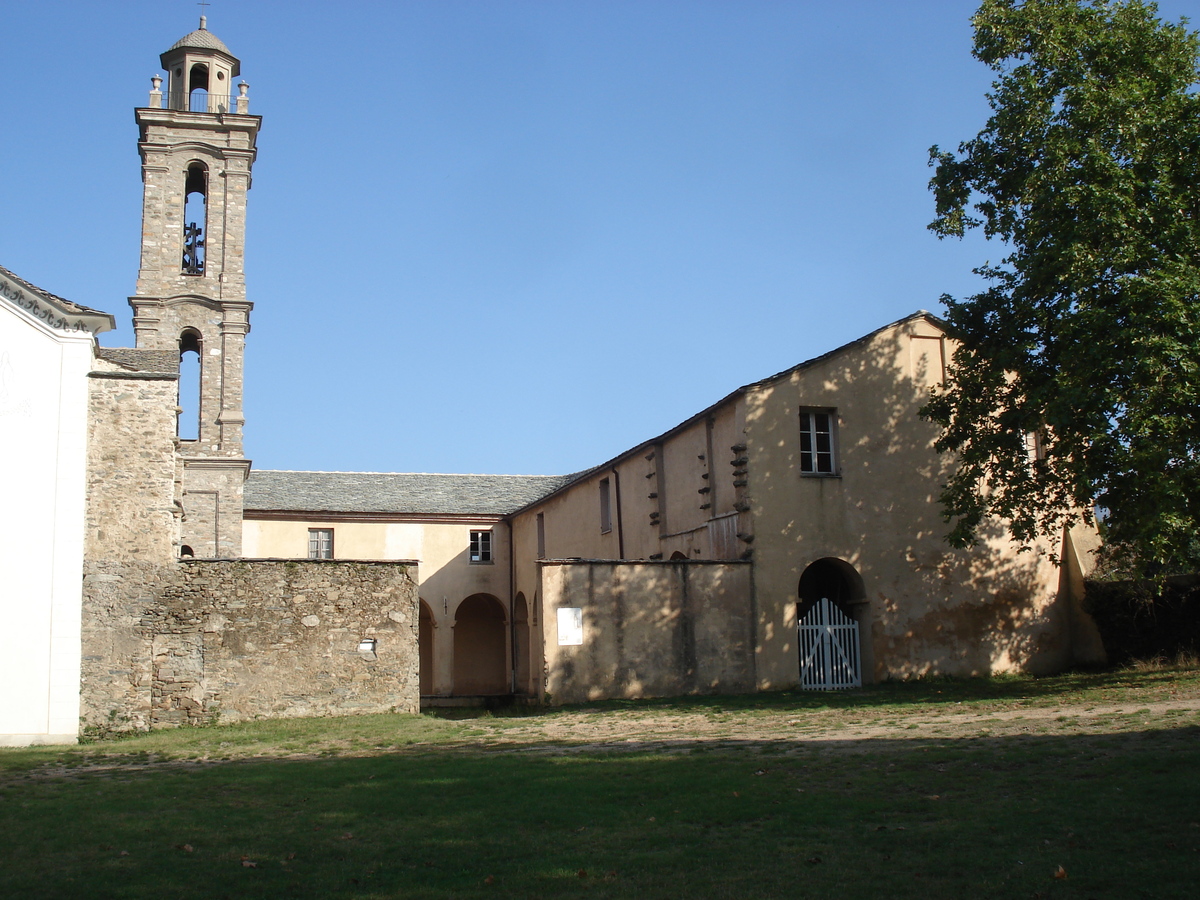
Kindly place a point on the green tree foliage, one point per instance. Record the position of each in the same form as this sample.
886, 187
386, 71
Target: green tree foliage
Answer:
1086, 341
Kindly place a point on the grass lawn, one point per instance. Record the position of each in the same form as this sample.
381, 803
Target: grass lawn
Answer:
1083, 786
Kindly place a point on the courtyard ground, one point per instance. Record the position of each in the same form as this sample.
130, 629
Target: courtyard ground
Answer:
1077, 786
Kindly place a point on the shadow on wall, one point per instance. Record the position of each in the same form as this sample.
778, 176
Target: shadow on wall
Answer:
650, 629
929, 608
480, 635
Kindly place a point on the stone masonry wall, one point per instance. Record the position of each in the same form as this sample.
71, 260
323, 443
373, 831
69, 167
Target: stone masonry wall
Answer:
199, 641
132, 472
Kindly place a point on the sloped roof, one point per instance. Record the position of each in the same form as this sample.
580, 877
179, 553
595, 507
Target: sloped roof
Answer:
866, 338
419, 493
399, 493
203, 39
157, 361
61, 301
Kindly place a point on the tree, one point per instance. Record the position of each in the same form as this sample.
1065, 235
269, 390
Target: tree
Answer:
1076, 383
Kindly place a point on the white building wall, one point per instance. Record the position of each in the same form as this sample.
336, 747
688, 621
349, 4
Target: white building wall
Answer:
43, 443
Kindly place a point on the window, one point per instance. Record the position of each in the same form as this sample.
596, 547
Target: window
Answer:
320, 543
1035, 448
605, 507
481, 546
541, 535
818, 455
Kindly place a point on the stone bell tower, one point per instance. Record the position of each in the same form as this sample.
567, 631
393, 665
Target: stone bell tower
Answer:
197, 143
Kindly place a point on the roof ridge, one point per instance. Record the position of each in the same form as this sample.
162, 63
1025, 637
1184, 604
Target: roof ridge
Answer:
444, 474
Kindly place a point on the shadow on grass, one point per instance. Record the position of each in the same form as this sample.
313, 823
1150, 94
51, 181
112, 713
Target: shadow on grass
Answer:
896, 818
1071, 687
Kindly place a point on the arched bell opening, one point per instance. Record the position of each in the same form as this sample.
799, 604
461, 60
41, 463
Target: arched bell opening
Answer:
198, 88
195, 218
480, 639
191, 360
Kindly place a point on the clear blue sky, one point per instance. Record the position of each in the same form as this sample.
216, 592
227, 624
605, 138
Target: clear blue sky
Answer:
515, 237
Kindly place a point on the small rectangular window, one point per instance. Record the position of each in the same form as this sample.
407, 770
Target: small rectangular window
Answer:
818, 450
605, 507
320, 543
481, 546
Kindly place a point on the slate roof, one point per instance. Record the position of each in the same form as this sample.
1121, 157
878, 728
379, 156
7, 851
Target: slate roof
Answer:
63, 301
158, 361
396, 493
202, 38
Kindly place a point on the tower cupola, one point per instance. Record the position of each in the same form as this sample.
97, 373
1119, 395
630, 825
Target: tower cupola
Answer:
200, 72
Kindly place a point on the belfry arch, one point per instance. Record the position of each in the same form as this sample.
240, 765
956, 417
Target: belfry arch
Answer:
191, 363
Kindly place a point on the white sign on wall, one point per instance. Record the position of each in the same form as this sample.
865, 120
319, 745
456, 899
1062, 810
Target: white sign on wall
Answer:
570, 627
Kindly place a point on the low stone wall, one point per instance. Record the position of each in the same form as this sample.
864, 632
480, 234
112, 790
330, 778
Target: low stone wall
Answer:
205, 640
649, 629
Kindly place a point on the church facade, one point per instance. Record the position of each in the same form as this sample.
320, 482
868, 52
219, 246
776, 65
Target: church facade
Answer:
153, 578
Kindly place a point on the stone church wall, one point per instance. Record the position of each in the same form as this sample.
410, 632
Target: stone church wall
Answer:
201, 641
132, 470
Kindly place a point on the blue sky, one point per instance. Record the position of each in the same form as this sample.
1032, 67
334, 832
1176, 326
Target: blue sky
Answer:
515, 237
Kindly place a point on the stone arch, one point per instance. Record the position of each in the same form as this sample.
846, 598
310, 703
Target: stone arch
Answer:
195, 218
188, 399
677, 555
522, 646
480, 641
425, 628
829, 639
833, 578
198, 88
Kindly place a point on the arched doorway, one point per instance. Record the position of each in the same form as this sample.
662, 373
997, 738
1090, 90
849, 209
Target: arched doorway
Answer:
479, 647
830, 654
425, 648
521, 643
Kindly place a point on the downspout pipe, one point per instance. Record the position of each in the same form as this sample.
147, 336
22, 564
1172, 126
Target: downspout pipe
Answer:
512, 600
620, 528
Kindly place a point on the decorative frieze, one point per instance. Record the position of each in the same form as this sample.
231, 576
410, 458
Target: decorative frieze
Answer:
45, 311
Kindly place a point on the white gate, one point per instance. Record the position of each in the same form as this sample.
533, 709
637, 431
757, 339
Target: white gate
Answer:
829, 656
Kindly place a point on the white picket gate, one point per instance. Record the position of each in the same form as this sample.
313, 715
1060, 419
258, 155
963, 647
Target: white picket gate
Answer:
829, 657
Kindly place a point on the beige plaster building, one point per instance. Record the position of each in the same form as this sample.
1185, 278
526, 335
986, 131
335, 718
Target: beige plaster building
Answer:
689, 562
789, 534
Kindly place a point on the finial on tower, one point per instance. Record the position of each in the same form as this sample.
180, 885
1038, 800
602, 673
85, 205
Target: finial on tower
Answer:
204, 23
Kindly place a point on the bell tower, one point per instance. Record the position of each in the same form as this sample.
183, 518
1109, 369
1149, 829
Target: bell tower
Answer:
197, 144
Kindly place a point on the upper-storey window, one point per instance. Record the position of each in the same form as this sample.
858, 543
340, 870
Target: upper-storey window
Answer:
195, 218
320, 543
818, 442
481, 546
605, 506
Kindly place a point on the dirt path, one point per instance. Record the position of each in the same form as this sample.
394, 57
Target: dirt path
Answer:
608, 729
